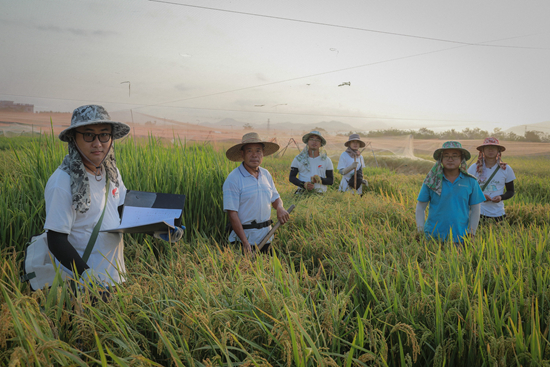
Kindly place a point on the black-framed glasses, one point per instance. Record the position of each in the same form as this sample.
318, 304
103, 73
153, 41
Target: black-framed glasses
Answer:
453, 157
90, 137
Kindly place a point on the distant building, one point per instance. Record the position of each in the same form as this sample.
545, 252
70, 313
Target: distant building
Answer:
10, 106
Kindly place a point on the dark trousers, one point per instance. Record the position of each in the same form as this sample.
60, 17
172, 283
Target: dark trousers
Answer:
265, 250
484, 219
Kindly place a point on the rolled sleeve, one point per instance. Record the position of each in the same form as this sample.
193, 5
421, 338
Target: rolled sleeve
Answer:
231, 196
424, 195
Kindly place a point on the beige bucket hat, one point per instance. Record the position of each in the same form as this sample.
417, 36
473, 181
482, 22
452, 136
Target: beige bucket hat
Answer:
93, 115
355, 137
234, 153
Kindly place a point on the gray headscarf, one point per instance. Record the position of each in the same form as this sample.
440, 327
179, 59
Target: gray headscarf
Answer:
80, 185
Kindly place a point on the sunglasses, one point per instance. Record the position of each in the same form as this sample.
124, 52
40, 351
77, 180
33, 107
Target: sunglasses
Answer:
90, 137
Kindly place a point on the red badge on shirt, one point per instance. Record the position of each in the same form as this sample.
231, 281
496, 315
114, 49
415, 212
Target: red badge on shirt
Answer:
115, 192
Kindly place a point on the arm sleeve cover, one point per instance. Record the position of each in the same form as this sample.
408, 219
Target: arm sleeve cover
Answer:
420, 215
509, 191
293, 179
329, 180
475, 210
61, 248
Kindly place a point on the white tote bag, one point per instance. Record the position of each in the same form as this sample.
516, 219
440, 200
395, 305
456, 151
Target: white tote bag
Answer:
38, 265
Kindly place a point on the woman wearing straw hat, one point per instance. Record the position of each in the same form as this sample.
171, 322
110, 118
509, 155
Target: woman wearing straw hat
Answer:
351, 164
249, 193
453, 194
493, 176
86, 184
312, 165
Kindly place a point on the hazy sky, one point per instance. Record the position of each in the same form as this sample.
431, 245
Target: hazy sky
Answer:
409, 63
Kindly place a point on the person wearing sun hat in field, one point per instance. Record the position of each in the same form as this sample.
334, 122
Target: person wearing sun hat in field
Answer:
249, 193
85, 189
75, 197
350, 162
312, 165
493, 176
454, 196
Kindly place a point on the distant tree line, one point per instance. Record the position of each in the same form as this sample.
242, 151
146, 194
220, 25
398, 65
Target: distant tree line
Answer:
452, 134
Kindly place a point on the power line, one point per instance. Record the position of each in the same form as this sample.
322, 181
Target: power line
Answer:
303, 77
138, 106
347, 27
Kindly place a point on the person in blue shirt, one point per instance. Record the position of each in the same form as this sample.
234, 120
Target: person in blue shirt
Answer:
453, 194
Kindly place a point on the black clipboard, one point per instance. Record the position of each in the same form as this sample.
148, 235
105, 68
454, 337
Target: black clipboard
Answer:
149, 212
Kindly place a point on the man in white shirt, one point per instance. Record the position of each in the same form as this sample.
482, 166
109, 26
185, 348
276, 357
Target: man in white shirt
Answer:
249, 193
313, 166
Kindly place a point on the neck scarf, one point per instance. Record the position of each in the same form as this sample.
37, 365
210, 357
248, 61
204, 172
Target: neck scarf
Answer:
80, 184
353, 153
303, 157
481, 161
434, 179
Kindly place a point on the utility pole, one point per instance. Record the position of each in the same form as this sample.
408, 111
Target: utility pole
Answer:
267, 125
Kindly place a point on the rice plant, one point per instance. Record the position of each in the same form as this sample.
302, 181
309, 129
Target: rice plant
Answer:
350, 283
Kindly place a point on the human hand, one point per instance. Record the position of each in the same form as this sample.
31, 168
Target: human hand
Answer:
497, 199
488, 197
316, 179
282, 215
247, 248
174, 235
309, 186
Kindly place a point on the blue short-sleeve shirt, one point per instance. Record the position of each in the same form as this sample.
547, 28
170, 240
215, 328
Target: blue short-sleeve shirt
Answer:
451, 210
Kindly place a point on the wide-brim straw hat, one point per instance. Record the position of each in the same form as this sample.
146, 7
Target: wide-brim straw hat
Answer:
355, 137
306, 137
234, 153
451, 145
491, 142
93, 115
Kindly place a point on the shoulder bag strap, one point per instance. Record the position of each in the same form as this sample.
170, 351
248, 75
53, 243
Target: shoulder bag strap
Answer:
490, 178
95, 232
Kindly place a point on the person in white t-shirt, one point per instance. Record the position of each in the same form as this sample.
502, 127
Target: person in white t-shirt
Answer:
493, 177
312, 169
75, 198
350, 162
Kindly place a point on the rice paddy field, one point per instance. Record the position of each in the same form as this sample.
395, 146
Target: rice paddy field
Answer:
350, 282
